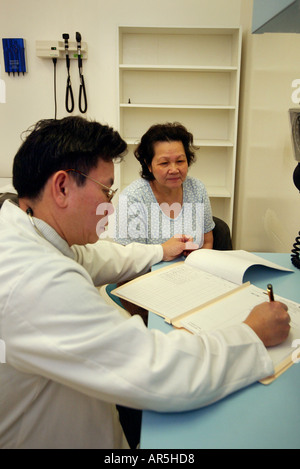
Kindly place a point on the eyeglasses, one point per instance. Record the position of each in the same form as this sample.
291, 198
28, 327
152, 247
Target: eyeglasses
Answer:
108, 191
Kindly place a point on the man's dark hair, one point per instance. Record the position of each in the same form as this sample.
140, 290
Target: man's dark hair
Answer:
68, 143
169, 132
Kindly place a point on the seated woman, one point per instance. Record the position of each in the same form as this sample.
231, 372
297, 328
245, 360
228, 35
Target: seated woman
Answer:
165, 201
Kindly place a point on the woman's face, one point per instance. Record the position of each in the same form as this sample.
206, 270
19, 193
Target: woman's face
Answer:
169, 165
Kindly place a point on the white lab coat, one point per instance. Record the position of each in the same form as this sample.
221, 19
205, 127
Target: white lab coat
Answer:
70, 357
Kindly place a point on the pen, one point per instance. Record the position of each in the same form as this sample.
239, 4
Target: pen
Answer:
270, 292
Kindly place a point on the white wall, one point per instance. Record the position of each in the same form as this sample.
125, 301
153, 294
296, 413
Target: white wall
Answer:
265, 193
30, 98
267, 202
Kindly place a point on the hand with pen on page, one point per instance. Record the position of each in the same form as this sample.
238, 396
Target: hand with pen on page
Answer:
271, 322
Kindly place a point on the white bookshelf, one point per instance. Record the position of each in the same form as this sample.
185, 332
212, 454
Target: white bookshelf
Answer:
188, 75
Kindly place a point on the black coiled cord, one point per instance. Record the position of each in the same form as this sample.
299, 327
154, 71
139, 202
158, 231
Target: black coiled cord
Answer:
295, 252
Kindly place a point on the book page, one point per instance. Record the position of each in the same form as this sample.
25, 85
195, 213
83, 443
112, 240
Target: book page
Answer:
231, 265
173, 291
234, 309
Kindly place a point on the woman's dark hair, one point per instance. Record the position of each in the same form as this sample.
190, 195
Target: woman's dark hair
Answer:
69, 143
169, 132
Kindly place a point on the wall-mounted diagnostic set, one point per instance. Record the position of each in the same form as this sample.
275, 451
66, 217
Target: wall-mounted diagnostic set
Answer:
67, 50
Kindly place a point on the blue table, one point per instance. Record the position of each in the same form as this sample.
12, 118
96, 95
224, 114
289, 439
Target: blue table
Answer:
255, 417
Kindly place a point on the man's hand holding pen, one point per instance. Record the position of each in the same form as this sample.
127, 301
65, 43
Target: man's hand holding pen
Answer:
270, 321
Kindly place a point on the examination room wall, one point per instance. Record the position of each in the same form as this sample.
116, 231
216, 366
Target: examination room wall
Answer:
266, 202
30, 97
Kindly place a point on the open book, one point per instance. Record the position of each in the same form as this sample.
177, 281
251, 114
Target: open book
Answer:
206, 292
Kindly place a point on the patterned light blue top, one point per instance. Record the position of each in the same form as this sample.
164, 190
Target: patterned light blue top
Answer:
139, 217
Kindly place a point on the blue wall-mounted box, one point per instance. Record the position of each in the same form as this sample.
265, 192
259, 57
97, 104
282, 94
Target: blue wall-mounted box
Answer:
14, 55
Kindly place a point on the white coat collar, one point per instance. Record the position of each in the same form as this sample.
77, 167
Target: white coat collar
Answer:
12, 212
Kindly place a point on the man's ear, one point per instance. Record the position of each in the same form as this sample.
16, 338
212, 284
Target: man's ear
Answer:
61, 188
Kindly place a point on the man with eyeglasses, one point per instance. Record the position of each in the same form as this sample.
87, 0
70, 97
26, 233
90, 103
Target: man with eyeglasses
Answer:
70, 357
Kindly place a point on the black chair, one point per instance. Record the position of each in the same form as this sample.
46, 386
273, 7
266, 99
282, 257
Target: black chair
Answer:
222, 236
